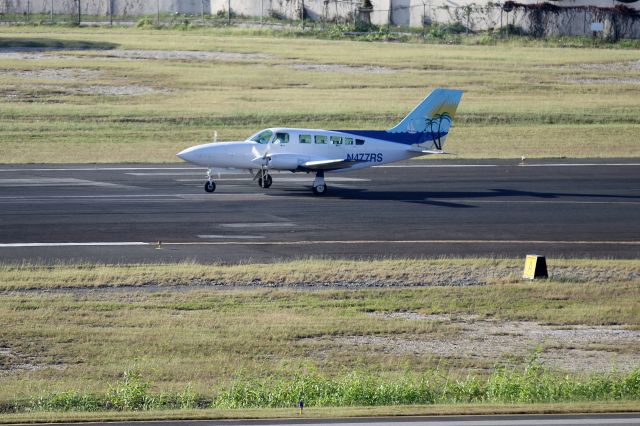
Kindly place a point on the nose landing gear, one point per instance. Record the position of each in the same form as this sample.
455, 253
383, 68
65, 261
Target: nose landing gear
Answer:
210, 185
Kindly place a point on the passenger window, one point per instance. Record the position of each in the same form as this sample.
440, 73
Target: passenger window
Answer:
321, 139
282, 138
348, 141
359, 141
305, 138
336, 140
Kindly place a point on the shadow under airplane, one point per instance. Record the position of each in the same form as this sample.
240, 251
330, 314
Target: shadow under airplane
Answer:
439, 198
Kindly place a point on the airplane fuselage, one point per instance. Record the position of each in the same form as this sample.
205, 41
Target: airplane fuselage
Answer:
297, 147
422, 131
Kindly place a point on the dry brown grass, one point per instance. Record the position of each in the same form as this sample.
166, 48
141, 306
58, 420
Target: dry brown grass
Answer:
179, 332
312, 272
518, 100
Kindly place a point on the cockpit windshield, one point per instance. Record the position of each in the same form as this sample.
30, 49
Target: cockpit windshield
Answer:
264, 136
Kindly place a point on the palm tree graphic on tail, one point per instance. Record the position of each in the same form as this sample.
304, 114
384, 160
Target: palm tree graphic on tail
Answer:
435, 126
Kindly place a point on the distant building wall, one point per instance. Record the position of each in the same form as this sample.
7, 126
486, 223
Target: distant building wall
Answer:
315, 10
104, 7
564, 17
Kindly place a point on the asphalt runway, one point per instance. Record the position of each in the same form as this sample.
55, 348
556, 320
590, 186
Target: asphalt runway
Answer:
496, 420
118, 213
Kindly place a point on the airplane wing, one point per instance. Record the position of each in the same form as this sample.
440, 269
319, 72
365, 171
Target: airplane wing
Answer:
334, 164
428, 151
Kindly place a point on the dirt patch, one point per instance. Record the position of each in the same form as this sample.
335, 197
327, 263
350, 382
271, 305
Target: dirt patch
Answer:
185, 55
575, 349
349, 69
182, 55
33, 55
605, 81
611, 66
79, 75
60, 74
11, 361
46, 91
107, 90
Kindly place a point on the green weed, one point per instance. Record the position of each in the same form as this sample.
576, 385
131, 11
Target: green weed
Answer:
532, 385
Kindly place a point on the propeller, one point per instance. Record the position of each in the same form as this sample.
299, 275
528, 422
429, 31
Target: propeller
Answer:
264, 164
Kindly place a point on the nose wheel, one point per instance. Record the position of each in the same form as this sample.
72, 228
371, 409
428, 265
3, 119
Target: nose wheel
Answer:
209, 185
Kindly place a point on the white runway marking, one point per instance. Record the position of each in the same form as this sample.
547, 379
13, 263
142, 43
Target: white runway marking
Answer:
92, 169
302, 243
493, 422
231, 237
577, 164
56, 182
308, 180
261, 196
129, 196
116, 196
554, 201
191, 172
336, 242
96, 244
259, 225
196, 169
403, 166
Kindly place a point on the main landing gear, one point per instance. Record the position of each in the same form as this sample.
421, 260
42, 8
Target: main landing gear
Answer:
319, 186
264, 180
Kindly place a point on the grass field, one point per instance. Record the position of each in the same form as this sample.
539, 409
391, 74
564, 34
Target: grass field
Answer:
181, 328
107, 95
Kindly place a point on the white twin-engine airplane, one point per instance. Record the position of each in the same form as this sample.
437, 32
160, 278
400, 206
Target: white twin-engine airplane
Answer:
421, 132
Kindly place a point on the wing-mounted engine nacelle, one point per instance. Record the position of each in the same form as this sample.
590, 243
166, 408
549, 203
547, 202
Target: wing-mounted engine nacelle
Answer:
285, 161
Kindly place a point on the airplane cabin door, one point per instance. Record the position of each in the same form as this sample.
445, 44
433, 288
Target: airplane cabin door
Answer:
337, 147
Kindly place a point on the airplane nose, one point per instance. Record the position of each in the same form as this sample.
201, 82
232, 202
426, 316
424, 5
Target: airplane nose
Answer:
190, 154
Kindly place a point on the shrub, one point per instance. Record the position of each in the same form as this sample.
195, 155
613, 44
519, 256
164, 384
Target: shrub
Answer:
130, 393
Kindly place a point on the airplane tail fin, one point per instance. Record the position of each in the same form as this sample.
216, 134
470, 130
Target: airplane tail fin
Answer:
431, 119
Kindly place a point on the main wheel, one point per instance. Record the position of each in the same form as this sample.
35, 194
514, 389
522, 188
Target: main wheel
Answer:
210, 186
320, 190
267, 182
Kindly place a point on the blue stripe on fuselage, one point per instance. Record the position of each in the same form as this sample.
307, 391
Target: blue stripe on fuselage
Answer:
403, 138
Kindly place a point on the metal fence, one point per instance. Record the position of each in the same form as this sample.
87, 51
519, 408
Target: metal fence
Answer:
304, 13
105, 12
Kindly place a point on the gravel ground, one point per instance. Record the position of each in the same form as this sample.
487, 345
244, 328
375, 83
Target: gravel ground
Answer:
45, 91
181, 55
612, 66
576, 349
12, 361
59, 74
71, 75
83, 75
605, 81
36, 54
184, 55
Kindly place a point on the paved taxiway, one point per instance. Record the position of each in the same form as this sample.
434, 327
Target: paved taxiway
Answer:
506, 420
117, 213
